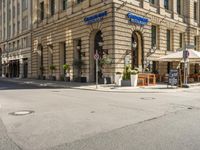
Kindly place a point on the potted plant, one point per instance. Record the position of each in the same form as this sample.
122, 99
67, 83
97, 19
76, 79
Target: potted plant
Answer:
103, 62
134, 77
78, 64
66, 69
118, 78
41, 73
126, 80
52, 68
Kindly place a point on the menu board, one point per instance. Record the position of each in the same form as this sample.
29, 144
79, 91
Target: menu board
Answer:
173, 77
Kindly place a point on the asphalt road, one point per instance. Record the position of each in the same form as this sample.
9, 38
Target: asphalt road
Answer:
68, 119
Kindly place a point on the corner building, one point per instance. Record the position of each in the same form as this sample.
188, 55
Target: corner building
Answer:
123, 32
15, 38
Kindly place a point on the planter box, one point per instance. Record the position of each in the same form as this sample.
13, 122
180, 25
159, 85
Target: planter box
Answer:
106, 80
101, 81
80, 79
118, 79
83, 79
134, 80
126, 83
67, 79
41, 77
53, 78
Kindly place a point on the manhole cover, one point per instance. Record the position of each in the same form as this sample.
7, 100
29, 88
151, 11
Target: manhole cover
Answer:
147, 98
22, 112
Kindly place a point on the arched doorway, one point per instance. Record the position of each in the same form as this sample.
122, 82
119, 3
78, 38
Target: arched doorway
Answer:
137, 52
96, 45
40, 61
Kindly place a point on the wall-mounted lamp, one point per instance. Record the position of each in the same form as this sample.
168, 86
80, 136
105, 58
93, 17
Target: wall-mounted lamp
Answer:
134, 45
83, 54
100, 44
78, 47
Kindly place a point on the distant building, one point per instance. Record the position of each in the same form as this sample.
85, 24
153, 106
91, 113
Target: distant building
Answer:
15, 38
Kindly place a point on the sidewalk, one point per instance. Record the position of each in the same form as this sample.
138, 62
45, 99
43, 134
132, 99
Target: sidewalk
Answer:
160, 88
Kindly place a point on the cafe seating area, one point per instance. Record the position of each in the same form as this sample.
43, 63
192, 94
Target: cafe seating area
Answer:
146, 79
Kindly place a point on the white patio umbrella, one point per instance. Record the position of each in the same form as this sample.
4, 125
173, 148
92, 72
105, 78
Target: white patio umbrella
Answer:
194, 56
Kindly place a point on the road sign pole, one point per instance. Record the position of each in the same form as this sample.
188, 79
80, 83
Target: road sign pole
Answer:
97, 68
96, 57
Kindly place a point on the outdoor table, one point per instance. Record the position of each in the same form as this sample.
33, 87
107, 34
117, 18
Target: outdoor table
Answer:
148, 77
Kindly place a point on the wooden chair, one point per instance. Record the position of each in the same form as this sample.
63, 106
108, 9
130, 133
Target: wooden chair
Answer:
141, 81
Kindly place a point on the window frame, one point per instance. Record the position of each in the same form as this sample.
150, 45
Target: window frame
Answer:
168, 39
42, 11
52, 7
154, 35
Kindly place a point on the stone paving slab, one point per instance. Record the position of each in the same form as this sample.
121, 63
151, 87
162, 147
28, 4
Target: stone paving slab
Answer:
5, 142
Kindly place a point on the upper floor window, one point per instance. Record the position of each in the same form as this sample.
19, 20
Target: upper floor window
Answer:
24, 4
181, 40
166, 4
168, 39
52, 7
152, 1
13, 11
195, 10
25, 23
153, 35
18, 9
64, 4
79, 1
179, 7
42, 11
195, 42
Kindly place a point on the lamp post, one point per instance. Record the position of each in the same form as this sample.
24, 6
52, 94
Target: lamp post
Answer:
151, 51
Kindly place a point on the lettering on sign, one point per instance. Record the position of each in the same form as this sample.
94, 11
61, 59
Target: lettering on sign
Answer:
137, 19
95, 18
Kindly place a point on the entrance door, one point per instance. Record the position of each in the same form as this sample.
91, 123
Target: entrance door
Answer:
137, 50
98, 47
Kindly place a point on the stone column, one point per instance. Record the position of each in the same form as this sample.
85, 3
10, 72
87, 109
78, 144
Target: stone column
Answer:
29, 67
21, 68
175, 13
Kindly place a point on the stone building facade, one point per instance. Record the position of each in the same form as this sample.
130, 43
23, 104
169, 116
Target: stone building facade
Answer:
120, 32
15, 38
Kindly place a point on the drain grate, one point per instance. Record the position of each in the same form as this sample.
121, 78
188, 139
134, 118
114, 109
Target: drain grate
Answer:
147, 98
21, 113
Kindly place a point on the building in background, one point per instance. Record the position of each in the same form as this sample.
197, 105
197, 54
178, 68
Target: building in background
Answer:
15, 38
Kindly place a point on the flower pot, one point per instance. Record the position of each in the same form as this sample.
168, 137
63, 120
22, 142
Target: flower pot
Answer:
67, 79
134, 80
125, 83
101, 81
83, 79
118, 79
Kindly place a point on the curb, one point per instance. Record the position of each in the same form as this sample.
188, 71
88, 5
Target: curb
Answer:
53, 85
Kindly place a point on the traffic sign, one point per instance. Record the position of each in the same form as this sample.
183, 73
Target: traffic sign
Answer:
96, 56
186, 54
